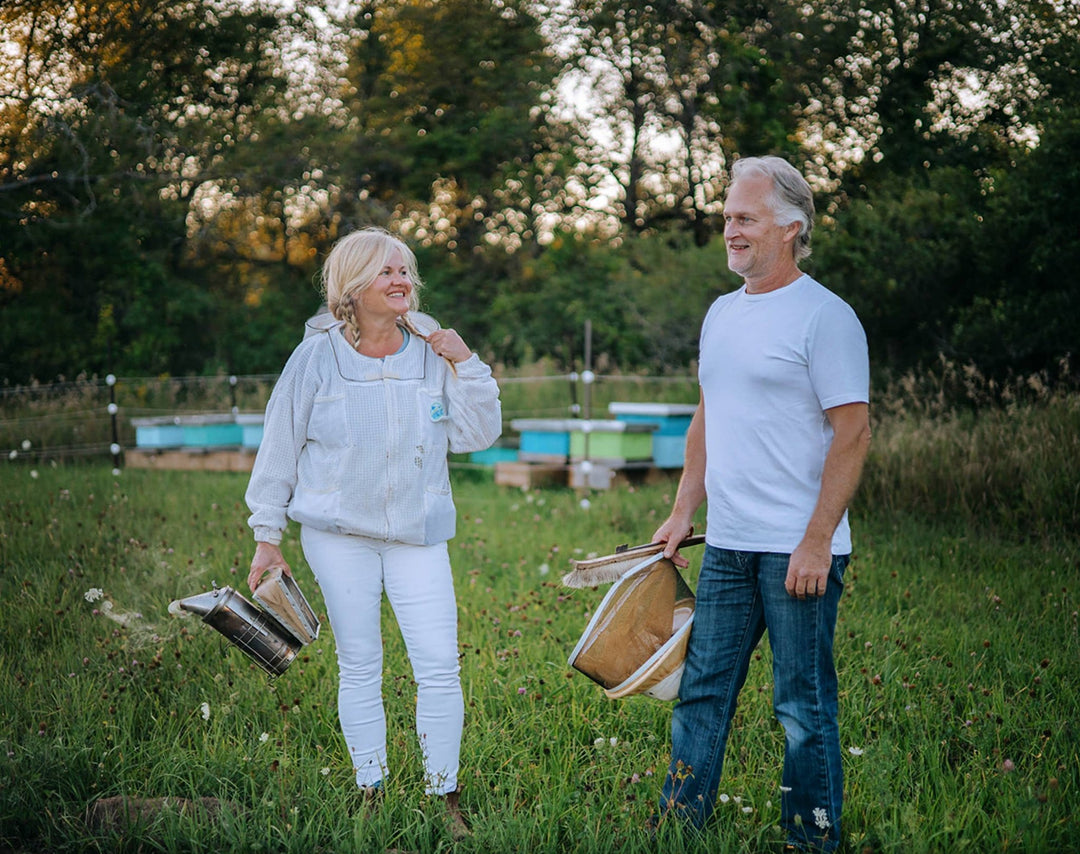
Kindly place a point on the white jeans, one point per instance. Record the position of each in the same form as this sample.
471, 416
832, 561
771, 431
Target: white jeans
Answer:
353, 572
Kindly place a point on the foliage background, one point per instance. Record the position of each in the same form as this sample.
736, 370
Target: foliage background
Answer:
172, 173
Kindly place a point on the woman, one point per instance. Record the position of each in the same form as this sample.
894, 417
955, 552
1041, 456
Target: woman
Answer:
354, 450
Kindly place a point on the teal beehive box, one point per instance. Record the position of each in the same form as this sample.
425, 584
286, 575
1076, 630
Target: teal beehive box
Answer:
158, 432
251, 429
211, 431
543, 439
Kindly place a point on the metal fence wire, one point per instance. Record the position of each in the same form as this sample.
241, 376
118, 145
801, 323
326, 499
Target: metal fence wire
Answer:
91, 416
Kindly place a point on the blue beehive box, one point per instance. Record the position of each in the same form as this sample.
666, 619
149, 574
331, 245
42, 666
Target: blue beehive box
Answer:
211, 431
671, 419
669, 452
158, 432
251, 429
543, 439
491, 456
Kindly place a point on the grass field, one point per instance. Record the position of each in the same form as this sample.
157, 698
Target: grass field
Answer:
958, 651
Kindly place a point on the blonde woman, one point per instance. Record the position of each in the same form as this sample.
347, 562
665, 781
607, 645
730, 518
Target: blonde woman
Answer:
356, 437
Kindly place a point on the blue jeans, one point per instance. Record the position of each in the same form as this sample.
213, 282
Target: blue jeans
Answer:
740, 595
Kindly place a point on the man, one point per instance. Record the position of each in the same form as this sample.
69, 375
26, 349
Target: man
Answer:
776, 446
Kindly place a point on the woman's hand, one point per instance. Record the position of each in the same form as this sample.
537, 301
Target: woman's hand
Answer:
267, 557
448, 344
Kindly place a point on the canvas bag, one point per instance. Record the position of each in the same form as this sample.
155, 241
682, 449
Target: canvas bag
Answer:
635, 643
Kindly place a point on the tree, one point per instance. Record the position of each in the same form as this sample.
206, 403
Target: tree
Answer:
900, 86
679, 89
115, 117
447, 115
1025, 317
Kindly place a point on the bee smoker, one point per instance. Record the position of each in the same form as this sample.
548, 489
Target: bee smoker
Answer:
246, 627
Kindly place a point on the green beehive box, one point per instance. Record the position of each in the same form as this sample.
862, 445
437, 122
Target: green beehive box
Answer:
618, 441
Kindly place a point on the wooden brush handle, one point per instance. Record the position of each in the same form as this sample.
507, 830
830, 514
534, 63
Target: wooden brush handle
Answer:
655, 547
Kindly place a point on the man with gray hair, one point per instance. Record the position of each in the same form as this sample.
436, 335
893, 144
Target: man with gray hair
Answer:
776, 448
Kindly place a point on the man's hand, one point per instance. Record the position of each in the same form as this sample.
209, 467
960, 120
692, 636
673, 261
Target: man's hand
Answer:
673, 532
808, 570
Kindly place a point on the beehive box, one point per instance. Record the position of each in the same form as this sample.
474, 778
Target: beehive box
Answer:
211, 431
543, 439
158, 432
251, 428
672, 420
613, 441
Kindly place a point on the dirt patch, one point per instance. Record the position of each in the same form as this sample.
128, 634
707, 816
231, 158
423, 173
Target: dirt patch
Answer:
118, 812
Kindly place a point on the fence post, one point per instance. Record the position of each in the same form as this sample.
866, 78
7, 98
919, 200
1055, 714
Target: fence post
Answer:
114, 448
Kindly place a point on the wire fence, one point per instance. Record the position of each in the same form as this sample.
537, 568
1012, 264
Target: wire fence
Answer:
93, 417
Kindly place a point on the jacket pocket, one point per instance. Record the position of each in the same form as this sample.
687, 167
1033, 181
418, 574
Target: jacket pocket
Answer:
328, 425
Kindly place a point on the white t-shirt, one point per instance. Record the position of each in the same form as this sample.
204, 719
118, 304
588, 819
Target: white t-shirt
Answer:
770, 365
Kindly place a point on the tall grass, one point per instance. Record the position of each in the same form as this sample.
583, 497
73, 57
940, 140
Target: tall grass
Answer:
958, 648
954, 446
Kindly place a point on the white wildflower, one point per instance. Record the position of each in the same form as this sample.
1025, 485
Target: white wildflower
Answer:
93, 594
26, 444
613, 741
325, 771
544, 569
855, 751
263, 738
204, 709
747, 810
725, 798
821, 817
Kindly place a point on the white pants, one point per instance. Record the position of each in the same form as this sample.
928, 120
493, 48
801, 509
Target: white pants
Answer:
353, 572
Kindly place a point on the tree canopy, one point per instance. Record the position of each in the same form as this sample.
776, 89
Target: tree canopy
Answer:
173, 173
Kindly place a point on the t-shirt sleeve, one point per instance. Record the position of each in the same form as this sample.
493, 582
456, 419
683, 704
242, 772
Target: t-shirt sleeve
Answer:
838, 358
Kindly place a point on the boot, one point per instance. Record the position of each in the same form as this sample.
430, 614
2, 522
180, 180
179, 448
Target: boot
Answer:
366, 800
455, 818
